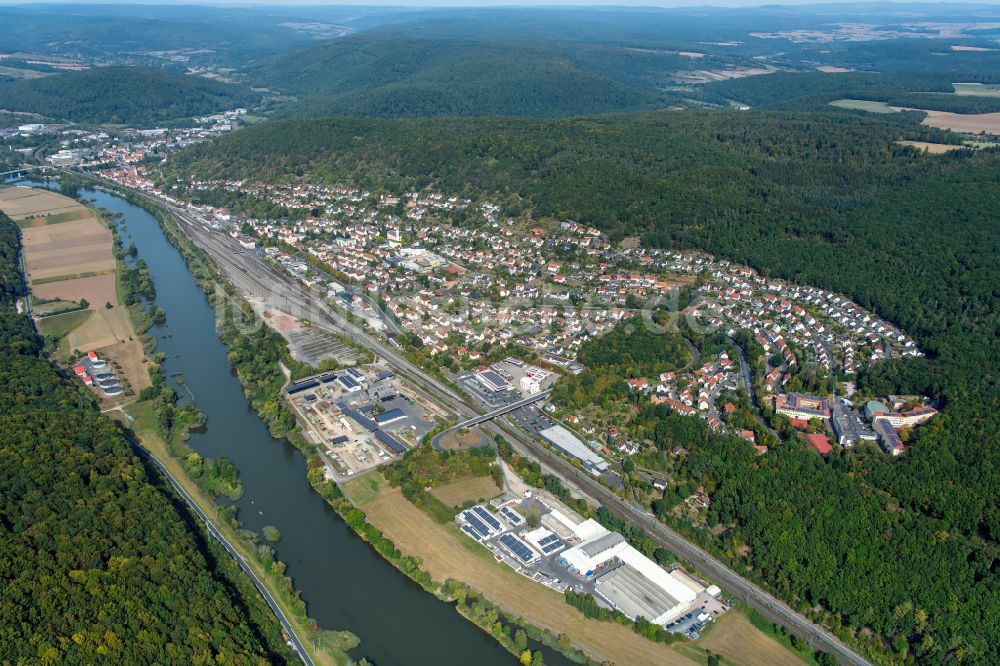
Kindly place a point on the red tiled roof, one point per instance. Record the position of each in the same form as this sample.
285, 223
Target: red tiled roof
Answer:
820, 443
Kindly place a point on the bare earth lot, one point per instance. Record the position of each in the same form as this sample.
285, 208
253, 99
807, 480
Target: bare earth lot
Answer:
458, 440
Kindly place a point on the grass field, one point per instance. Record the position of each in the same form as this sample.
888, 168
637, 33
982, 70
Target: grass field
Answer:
735, 637
472, 488
863, 105
105, 328
977, 89
58, 326
460, 440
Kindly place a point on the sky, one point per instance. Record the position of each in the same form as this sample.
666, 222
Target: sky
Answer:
490, 3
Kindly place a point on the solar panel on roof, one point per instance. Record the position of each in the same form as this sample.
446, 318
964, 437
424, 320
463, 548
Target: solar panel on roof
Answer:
487, 518
471, 532
296, 388
476, 524
511, 515
553, 547
389, 441
518, 547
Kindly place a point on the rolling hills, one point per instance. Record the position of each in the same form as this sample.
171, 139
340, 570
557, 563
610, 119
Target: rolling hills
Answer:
127, 95
394, 75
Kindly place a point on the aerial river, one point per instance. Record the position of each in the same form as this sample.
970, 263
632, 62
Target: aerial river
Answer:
345, 584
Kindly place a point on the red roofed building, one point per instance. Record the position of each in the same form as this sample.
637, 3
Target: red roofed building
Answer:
820, 443
799, 424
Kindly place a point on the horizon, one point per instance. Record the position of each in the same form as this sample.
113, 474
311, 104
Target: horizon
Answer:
500, 4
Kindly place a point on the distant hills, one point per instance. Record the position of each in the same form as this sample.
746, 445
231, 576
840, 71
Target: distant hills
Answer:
381, 74
127, 95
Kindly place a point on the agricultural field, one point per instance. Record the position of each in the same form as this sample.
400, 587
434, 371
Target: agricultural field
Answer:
97, 290
932, 148
864, 105
22, 203
468, 489
68, 258
977, 89
980, 123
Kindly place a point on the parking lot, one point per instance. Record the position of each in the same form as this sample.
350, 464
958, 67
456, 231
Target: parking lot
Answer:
707, 608
531, 419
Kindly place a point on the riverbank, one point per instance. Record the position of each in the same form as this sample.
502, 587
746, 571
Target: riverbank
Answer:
142, 419
142, 422
262, 383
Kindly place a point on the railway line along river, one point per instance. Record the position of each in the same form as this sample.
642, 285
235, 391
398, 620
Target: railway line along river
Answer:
345, 584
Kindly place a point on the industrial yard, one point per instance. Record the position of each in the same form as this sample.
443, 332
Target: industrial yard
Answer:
546, 541
361, 418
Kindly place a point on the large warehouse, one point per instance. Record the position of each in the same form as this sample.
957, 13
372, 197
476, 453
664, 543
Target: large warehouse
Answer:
634, 584
569, 445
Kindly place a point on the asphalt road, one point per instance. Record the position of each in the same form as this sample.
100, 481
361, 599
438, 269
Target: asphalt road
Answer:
250, 273
293, 637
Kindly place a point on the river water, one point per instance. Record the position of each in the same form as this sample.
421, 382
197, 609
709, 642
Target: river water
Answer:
345, 584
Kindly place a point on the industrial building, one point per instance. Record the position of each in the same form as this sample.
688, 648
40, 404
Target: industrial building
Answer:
627, 579
569, 445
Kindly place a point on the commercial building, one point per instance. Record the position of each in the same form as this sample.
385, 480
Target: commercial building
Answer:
633, 583
493, 381
569, 445
636, 596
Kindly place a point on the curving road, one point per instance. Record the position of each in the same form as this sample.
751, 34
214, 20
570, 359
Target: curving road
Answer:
293, 637
250, 273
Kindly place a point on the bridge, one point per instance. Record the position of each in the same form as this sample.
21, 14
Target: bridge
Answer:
489, 416
15, 175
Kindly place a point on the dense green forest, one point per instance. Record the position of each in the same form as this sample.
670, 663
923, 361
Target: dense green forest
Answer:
824, 198
395, 75
99, 564
127, 95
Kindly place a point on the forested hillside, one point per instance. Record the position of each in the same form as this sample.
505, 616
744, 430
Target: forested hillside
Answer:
128, 95
395, 75
824, 198
97, 565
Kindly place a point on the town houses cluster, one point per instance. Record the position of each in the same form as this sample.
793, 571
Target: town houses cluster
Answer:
464, 281
461, 277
